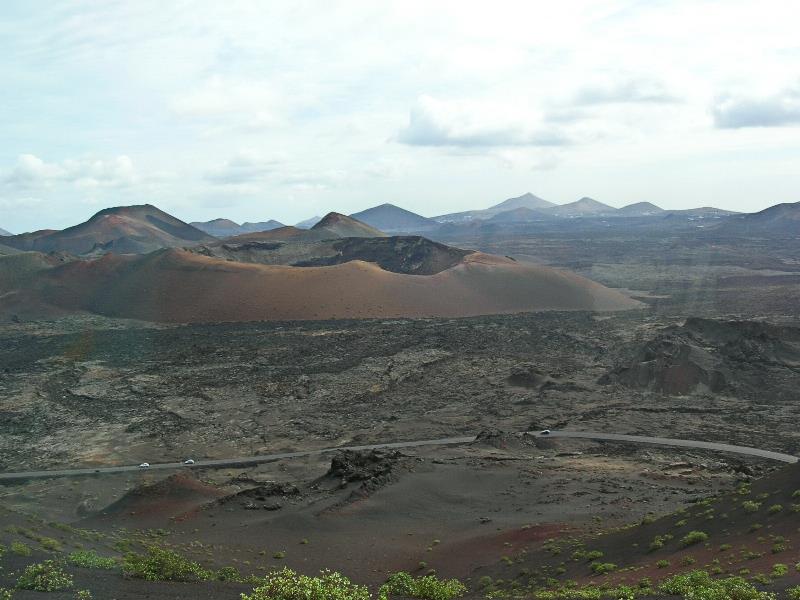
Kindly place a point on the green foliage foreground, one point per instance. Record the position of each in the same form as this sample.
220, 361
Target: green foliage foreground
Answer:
288, 585
47, 576
699, 585
161, 564
428, 587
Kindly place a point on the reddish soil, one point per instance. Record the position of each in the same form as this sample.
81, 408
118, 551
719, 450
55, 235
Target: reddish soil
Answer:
177, 286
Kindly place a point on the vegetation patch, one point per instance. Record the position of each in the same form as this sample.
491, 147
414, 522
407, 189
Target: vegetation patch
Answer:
89, 559
47, 576
694, 537
428, 587
288, 585
700, 585
161, 564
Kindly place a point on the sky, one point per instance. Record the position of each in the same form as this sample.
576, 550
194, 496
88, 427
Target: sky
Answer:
256, 110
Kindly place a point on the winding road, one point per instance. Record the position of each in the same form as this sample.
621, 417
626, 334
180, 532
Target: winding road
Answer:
451, 441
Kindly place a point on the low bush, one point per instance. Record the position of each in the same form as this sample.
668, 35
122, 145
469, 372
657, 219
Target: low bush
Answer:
228, 574
780, 570
793, 593
694, 537
602, 568
775, 509
20, 549
160, 564
47, 576
751, 506
428, 587
89, 559
700, 585
662, 564
6, 594
288, 585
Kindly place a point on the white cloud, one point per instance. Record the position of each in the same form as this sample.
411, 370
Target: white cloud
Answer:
30, 171
469, 123
776, 110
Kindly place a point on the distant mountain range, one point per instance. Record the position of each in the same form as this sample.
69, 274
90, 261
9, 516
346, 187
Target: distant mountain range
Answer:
4, 232
144, 228
225, 227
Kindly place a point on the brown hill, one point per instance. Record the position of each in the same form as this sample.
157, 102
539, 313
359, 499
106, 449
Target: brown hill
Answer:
343, 226
172, 497
124, 229
178, 286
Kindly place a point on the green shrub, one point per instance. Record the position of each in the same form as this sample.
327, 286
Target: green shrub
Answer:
593, 555
688, 560
279, 555
725, 547
694, 537
83, 595
46, 576
228, 574
6, 594
751, 506
778, 547
288, 585
681, 523
89, 559
761, 578
775, 509
428, 587
662, 564
699, 585
160, 564
793, 593
780, 570
602, 568
796, 494
20, 549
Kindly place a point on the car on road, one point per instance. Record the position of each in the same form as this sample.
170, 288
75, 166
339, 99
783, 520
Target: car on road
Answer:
544, 432
144, 466
189, 461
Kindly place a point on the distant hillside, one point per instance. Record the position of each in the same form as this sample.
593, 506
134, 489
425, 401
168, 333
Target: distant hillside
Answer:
340, 225
261, 226
585, 207
391, 218
704, 211
222, 228
781, 219
640, 209
124, 230
527, 200
308, 223
519, 215
4, 232
218, 227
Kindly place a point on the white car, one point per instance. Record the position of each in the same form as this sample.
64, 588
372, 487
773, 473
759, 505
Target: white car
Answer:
144, 466
544, 432
189, 461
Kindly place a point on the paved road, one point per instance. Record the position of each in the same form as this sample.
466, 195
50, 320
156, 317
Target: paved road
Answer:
265, 458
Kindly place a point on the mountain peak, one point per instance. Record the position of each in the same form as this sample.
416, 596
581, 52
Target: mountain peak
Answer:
526, 200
